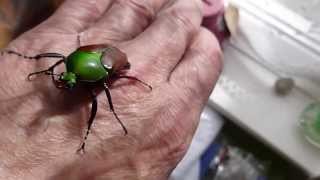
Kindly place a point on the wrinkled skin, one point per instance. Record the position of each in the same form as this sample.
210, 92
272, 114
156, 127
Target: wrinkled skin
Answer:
42, 127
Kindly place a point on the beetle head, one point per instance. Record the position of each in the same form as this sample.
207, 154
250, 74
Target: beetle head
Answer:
69, 79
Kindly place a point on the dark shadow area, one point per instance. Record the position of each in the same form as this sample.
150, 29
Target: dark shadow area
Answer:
279, 168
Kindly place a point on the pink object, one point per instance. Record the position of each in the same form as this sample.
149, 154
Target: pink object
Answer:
212, 7
214, 18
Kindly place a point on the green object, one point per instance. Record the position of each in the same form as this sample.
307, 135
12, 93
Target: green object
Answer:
310, 123
91, 66
70, 78
86, 66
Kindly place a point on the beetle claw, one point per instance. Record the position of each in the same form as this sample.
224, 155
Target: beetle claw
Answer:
81, 149
29, 77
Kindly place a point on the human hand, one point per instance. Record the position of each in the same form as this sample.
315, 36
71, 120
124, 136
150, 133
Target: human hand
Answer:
42, 127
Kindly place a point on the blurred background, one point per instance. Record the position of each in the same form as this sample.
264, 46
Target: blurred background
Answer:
18, 16
262, 121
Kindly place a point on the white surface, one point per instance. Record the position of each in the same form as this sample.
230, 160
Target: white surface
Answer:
281, 46
245, 95
266, 49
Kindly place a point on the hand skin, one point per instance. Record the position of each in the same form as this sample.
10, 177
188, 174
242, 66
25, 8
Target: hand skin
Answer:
42, 127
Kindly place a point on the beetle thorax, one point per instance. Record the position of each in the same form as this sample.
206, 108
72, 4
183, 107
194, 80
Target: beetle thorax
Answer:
86, 66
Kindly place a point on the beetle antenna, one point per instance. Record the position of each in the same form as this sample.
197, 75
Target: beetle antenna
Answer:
36, 57
18, 54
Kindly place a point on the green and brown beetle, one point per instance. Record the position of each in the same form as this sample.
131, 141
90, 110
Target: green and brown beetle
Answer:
96, 65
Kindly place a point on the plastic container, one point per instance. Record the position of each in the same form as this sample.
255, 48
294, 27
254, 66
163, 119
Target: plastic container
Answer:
310, 123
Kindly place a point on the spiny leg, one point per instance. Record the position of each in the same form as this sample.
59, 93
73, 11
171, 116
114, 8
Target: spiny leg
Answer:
36, 57
133, 78
94, 107
46, 72
49, 71
106, 89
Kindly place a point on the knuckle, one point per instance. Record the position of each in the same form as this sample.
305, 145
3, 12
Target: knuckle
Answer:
90, 10
195, 86
196, 89
142, 7
186, 15
215, 55
183, 21
209, 58
212, 60
208, 72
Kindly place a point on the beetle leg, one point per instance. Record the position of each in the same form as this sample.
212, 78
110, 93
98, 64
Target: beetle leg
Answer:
133, 78
107, 90
94, 107
36, 57
49, 71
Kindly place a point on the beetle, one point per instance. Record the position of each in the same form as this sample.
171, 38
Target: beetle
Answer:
93, 65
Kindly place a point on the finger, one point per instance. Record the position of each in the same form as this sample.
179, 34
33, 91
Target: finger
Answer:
125, 19
76, 15
196, 74
161, 46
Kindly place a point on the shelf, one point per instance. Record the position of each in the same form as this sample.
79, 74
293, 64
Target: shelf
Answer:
244, 94
264, 51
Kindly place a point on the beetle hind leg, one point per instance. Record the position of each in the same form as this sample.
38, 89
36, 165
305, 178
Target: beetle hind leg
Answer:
134, 79
108, 94
94, 107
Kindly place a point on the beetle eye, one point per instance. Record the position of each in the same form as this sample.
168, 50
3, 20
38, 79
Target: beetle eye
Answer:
107, 66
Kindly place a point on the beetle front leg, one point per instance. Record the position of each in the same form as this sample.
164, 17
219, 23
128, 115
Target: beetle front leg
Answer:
108, 94
94, 107
49, 71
